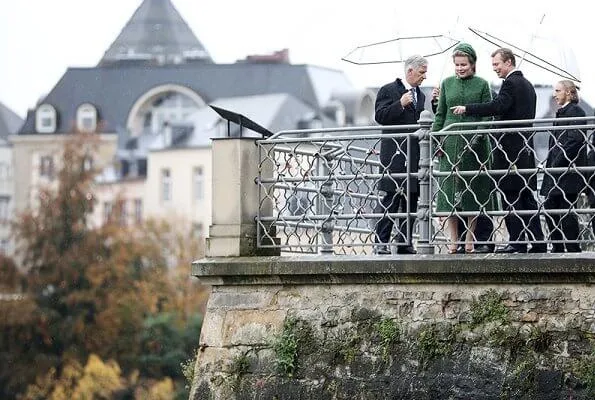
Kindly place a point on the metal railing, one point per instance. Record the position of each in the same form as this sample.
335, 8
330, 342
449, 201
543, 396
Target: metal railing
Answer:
326, 197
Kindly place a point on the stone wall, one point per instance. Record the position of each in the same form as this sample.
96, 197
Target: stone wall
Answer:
452, 327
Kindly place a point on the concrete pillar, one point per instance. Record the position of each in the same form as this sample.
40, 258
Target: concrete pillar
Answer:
235, 199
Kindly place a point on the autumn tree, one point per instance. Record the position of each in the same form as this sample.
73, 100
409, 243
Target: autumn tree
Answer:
106, 290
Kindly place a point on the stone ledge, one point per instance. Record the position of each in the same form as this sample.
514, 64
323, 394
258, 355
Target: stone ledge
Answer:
333, 269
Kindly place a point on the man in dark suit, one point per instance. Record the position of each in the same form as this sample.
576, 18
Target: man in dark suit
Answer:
399, 103
516, 100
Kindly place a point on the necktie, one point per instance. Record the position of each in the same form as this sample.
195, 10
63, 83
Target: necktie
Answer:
414, 95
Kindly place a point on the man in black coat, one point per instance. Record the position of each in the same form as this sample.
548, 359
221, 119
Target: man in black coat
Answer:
399, 103
516, 100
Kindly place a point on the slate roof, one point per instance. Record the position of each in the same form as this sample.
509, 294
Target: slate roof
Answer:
274, 112
156, 33
10, 122
114, 90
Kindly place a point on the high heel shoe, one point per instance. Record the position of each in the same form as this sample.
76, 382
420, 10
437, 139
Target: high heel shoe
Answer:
457, 250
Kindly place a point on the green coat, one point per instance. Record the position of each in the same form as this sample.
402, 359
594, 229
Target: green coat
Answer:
463, 152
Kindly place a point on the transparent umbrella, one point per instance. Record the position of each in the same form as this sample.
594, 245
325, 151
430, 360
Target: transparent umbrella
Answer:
397, 50
541, 51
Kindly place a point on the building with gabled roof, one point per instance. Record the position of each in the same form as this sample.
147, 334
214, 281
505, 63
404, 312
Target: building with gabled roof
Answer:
149, 97
10, 123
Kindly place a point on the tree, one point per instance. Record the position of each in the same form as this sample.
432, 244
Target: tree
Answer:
91, 290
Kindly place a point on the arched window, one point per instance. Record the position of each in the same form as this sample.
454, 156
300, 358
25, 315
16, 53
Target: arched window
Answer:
45, 119
86, 118
161, 106
365, 115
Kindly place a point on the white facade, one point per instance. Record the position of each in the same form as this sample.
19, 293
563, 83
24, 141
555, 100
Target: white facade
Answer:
127, 197
179, 185
6, 198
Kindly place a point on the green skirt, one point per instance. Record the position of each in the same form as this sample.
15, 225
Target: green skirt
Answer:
466, 193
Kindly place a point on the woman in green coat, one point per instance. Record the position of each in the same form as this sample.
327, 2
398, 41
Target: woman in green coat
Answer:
460, 152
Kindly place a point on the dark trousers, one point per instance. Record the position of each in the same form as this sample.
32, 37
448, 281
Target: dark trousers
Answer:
523, 226
483, 229
394, 203
563, 227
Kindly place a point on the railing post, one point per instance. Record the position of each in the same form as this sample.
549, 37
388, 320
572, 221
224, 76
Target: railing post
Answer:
235, 199
325, 199
424, 175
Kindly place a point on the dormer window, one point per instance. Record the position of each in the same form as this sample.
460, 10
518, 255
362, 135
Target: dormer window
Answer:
45, 119
86, 118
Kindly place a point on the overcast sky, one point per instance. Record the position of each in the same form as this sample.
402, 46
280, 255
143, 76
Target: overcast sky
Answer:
40, 39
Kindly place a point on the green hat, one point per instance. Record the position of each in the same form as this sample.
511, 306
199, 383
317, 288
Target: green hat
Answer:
467, 49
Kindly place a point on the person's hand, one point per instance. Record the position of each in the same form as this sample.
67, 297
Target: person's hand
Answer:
435, 93
406, 99
458, 110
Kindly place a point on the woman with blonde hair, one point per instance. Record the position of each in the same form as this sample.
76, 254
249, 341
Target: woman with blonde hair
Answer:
567, 148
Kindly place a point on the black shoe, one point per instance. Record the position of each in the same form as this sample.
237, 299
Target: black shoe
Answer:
460, 249
482, 249
383, 250
406, 250
538, 248
510, 249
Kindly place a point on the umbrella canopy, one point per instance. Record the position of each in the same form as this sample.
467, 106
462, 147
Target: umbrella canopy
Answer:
541, 51
397, 50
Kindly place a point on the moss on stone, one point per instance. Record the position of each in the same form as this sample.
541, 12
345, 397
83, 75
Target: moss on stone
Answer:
539, 340
285, 346
239, 365
489, 308
296, 339
583, 369
389, 331
433, 343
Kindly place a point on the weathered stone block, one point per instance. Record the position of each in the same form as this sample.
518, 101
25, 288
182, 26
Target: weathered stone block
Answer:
250, 327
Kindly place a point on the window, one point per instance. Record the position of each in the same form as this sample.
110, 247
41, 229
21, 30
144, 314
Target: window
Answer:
165, 185
168, 107
4, 211
198, 184
123, 213
45, 119
46, 167
107, 211
86, 118
138, 211
4, 171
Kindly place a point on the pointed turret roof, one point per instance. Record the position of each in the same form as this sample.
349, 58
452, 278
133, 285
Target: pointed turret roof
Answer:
156, 34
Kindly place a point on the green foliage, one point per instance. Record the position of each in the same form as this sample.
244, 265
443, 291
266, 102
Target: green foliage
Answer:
239, 365
521, 379
489, 308
344, 344
432, 346
584, 370
188, 369
286, 347
104, 291
539, 340
389, 332
166, 342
